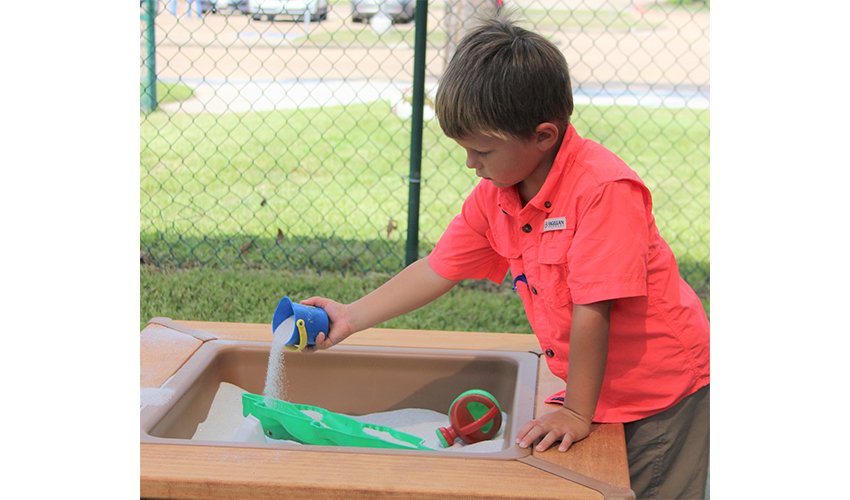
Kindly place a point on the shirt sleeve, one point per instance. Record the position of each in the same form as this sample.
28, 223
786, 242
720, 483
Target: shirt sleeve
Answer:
608, 256
464, 251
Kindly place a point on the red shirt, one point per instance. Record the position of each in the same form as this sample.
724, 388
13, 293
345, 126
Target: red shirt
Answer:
587, 236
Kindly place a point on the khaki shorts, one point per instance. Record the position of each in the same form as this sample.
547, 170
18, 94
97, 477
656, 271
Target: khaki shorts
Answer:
668, 452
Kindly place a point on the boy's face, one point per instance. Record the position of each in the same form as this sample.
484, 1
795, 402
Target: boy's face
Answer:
506, 162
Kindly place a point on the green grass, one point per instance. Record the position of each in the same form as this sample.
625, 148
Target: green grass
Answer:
554, 19
169, 92
216, 189
362, 34
690, 5
330, 181
250, 296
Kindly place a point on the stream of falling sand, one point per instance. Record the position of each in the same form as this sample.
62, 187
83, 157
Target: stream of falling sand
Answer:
277, 384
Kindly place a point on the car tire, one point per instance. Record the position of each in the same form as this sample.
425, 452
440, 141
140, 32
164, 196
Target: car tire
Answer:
271, 18
256, 17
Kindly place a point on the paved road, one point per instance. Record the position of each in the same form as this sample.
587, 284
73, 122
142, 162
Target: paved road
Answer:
228, 96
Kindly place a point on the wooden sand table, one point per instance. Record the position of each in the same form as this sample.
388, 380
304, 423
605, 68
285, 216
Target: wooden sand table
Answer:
594, 468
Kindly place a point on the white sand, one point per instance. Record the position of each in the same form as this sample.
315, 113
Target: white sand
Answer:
277, 384
424, 424
225, 418
225, 415
161, 339
153, 396
386, 436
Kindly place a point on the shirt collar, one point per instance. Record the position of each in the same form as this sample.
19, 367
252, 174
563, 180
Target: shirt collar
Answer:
508, 198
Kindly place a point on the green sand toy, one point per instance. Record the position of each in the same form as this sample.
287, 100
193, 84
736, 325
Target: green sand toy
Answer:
289, 421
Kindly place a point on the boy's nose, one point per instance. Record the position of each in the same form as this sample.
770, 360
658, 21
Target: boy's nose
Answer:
471, 161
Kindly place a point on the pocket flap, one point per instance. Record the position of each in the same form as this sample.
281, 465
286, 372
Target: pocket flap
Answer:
506, 247
554, 248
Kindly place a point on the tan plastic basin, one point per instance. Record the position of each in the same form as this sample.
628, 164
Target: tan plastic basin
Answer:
353, 380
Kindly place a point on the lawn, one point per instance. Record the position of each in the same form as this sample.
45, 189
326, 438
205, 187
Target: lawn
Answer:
168, 92
238, 210
250, 296
325, 188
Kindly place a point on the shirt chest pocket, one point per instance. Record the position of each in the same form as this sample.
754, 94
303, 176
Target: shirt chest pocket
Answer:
509, 248
555, 266
505, 245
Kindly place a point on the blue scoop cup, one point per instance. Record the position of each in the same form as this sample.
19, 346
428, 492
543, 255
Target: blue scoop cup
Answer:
309, 321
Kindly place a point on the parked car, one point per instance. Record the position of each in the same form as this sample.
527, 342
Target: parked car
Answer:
318, 9
240, 6
400, 11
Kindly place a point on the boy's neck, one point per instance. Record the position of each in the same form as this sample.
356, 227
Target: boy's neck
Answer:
531, 185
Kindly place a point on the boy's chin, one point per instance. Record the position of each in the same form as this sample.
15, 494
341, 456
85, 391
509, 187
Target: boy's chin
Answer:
500, 185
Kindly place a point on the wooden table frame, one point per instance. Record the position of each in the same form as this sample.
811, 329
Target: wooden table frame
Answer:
594, 468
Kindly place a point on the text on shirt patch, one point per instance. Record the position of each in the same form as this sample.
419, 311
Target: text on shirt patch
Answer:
555, 224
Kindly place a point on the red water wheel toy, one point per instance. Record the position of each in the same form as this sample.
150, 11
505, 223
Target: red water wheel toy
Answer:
474, 416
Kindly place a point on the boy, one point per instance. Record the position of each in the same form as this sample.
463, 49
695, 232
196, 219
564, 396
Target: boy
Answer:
574, 225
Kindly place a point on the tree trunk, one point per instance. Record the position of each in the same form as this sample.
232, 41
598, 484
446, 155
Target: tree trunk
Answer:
461, 16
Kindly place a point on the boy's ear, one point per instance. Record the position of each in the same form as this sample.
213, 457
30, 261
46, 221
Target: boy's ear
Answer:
547, 135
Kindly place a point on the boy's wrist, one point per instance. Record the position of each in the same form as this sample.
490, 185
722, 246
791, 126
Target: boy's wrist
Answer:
582, 416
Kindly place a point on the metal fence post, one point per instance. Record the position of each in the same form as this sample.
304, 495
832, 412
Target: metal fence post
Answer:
415, 178
149, 102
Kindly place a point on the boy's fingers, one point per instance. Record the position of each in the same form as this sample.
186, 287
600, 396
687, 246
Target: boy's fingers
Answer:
320, 344
327, 342
311, 301
566, 442
532, 435
547, 441
312, 348
524, 430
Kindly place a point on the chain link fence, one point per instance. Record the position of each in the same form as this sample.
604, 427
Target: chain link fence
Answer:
278, 133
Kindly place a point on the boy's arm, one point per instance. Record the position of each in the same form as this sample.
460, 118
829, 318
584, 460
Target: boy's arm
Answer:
588, 359
415, 286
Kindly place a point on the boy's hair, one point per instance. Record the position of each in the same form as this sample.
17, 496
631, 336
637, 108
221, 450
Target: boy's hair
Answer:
504, 81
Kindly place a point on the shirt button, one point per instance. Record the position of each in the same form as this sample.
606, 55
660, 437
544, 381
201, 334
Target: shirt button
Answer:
547, 205
550, 353
534, 290
527, 228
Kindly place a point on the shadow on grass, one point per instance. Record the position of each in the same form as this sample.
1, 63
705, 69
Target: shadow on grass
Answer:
335, 255
288, 252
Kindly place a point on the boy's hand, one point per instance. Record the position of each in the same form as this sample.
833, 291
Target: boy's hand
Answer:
560, 425
339, 324
415, 286
588, 359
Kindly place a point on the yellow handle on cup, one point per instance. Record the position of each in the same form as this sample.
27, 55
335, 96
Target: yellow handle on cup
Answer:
302, 331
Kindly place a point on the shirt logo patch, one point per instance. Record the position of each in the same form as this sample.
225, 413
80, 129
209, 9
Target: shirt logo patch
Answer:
556, 224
